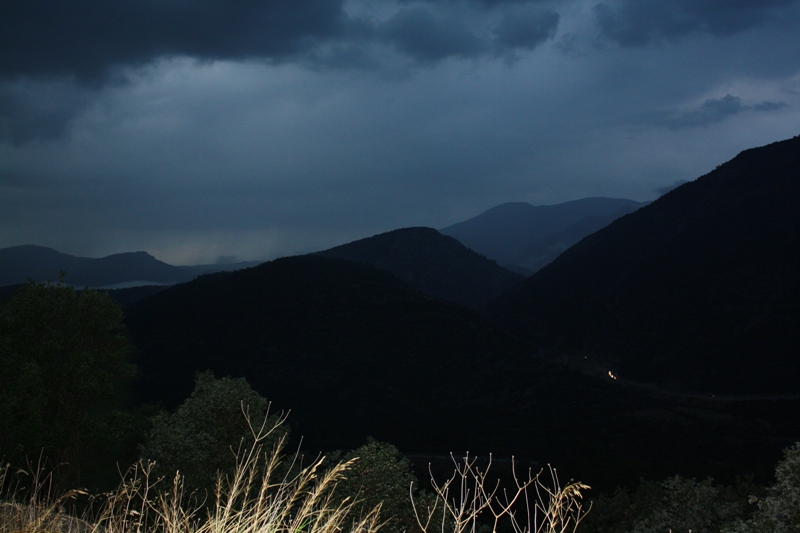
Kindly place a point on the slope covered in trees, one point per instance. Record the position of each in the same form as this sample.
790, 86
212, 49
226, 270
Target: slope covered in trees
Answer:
345, 345
354, 352
64, 377
699, 290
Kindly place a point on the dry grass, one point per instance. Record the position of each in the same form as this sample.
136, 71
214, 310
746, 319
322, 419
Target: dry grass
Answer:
467, 502
34, 509
265, 495
254, 499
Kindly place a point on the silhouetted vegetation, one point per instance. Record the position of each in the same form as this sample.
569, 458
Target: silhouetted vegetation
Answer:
203, 436
64, 378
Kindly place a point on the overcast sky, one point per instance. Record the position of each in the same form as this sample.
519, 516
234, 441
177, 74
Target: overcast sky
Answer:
208, 130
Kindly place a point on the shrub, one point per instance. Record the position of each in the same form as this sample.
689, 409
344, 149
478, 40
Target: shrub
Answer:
201, 438
674, 504
779, 510
380, 476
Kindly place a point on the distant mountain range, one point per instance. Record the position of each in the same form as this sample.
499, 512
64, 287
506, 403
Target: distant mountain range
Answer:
524, 238
666, 342
458, 264
21, 263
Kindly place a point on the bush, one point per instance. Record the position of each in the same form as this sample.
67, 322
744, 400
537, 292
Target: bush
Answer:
674, 504
202, 437
380, 476
779, 510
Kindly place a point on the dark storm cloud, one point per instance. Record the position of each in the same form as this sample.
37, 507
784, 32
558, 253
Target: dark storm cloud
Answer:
483, 3
38, 111
46, 47
641, 22
712, 110
427, 36
87, 39
204, 129
716, 110
770, 106
525, 29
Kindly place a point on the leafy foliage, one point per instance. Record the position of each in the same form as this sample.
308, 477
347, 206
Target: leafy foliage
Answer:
64, 376
201, 438
779, 510
380, 476
676, 503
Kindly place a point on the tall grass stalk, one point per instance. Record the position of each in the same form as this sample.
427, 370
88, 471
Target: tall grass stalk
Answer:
468, 502
30, 505
260, 496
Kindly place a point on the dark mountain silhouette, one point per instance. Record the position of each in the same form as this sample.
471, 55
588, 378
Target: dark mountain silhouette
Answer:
354, 351
524, 238
699, 290
350, 348
21, 263
432, 263
120, 268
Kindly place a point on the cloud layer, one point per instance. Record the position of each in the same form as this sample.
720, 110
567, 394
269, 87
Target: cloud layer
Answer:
199, 129
643, 22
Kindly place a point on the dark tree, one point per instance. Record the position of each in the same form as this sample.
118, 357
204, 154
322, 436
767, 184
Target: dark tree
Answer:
64, 376
203, 436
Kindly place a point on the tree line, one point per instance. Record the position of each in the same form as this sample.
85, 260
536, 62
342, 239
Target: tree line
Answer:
65, 377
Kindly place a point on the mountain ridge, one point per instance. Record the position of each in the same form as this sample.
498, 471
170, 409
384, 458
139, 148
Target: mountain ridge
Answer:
524, 237
18, 264
687, 290
433, 263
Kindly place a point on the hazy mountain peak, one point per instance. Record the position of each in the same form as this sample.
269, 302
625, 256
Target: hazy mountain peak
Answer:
20, 263
524, 237
432, 263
